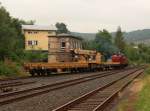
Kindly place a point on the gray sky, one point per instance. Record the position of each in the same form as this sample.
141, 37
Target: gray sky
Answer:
84, 15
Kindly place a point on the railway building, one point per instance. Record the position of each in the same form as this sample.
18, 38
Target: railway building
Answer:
60, 47
36, 36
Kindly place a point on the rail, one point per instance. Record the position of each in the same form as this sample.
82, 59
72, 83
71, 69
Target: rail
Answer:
98, 100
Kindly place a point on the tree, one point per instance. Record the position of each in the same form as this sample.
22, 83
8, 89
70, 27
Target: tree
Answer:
30, 22
103, 43
61, 28
11, 37
7, 34
12, 53
119, 40
104, 35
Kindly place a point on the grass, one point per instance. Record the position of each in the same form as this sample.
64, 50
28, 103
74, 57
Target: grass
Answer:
139, 101
143, 102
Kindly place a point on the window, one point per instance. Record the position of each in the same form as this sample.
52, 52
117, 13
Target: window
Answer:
32, 42
80, 45
63, 44
35, 42
35, 32
29, 42
49, 46
29, 32
73, 44
32, 32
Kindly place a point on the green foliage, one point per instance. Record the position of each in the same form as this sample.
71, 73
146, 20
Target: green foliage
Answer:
10, 69
104, 35
143, 102
31, 56
7, 42
12, 44
90, 44
11, 39
103, 43
132, 53
147, 71
139, 54
119, 40
61, 28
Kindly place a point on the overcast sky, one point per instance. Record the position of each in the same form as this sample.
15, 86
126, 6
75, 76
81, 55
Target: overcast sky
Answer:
84, 15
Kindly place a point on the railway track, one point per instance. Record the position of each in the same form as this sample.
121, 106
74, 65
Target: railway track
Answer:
102, 97
16, 83
6, 87
13, 79
24, 81
27, 93
10, 81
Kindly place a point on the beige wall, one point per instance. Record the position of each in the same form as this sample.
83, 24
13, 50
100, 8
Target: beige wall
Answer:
58, 54
54, 44
40, 36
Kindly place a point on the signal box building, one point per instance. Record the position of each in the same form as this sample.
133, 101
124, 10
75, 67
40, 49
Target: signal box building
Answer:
60, 47
36, 37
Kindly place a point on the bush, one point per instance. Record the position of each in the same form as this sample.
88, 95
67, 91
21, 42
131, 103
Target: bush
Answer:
147, 71
35, 56
10, 69
15, 68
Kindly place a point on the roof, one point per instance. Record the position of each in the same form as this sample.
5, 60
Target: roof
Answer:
64, 34
67, 35
38, 27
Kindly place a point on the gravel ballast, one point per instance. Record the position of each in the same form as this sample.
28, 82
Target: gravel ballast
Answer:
53, 99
